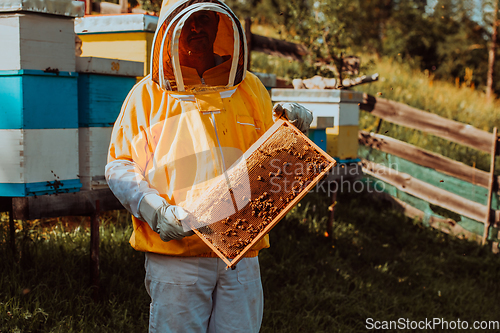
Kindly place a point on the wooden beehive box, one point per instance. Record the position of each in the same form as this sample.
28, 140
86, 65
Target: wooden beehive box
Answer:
39, 133
32, 99
38, 35
121, 36
38, 161
336, 118
93, 153
38, 98
103, 85
257, 191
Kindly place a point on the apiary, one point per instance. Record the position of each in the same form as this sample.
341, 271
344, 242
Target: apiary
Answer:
103, 85
336, 118
257, 191
120, 36
38, 34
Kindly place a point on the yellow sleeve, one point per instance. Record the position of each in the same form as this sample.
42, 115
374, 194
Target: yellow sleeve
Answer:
129, 136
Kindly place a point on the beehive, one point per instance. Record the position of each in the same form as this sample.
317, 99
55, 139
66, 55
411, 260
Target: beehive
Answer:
33, 99
38, 97
121, 36
39, 133
93, 144
257, 191
103, 85
38, 34
336, 118
38, 161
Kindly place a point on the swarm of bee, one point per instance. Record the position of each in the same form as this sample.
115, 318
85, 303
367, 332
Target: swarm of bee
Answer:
240, 231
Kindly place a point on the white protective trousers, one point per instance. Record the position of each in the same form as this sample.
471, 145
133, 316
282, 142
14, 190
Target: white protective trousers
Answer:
198, 295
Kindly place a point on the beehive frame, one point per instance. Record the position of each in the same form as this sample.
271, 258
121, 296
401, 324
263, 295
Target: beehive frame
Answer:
220, 236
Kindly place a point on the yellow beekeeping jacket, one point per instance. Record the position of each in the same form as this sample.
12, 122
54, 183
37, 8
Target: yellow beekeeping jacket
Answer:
177, 132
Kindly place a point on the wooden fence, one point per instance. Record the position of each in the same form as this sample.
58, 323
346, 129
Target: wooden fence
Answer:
423, 180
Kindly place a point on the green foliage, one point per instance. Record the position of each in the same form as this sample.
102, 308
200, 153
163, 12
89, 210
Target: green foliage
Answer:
445, 40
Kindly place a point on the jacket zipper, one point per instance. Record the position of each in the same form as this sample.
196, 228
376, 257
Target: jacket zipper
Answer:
224, 170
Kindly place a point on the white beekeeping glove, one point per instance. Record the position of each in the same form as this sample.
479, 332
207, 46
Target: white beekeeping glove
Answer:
163, 218
295, 113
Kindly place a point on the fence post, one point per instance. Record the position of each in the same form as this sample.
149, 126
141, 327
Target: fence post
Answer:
490, 187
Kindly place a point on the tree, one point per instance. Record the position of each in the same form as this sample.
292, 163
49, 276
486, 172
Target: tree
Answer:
492, 52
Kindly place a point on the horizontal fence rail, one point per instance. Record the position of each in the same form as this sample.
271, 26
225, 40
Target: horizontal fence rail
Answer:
425, 158
445, 225
429, 163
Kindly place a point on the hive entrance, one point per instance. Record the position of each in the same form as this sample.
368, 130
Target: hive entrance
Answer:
275, 173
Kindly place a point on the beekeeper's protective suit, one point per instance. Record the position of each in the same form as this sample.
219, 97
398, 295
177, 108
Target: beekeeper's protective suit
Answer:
179, 129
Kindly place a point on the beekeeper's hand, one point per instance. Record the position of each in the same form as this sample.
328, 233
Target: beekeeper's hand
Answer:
295, 113
163, 218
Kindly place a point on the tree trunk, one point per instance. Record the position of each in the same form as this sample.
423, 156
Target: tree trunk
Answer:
491, 57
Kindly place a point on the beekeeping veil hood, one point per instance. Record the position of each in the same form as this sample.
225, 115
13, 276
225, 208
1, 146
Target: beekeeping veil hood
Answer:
230, 41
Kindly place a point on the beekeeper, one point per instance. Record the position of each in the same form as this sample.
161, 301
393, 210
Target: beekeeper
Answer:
180, 127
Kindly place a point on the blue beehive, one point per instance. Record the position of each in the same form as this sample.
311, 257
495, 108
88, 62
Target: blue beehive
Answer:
100, 98
103, 85
38, 98
33, 99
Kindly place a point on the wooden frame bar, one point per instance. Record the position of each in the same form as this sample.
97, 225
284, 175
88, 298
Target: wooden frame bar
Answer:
65, 204
405, 115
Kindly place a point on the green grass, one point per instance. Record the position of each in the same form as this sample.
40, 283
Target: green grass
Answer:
378, 265
45, 286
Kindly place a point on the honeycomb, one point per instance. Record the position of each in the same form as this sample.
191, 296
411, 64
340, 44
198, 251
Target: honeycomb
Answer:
279, 169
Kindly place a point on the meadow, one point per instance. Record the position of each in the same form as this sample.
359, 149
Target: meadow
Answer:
377, 265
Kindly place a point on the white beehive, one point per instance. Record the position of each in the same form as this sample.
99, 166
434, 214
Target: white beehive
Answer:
103, 85
336, 118
93, 153
38, 34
